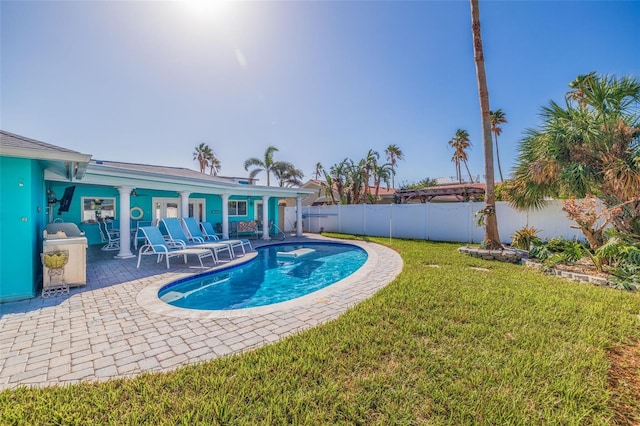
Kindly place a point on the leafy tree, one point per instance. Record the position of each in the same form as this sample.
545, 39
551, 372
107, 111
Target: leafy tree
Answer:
491, 236
319, 170
497, 118
394, 153
381, 173
424, 183
590, 145
460, 143
266, 164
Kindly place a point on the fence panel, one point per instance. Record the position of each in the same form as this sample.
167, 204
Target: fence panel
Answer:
409, 221
433, 221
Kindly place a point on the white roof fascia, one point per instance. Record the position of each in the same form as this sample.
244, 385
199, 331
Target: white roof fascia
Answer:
37, 154
113, 176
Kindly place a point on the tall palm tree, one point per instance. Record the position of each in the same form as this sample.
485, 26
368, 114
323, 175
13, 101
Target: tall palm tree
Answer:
338, 173
368, 165
201, 154
266, 164
497, 118
327, 187
382, 173
319, 170
491, 236
214, 164
287, 174
394, 153
460, 143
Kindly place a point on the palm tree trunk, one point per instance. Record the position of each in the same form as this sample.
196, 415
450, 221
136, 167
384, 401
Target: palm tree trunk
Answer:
468, 171
498, 158
491, 236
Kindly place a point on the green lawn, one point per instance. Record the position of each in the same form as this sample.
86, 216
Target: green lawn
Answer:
439, 345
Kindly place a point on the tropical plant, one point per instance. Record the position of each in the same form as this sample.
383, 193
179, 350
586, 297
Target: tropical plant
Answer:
201, 154
287, 174
393, 153
460, 143
591, 145
381, 173
424, 183
265, 164
327, 187
319, 170
214, 164
525, 237
497, 118
491, 235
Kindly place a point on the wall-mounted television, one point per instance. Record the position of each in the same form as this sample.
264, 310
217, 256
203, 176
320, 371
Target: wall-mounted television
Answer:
65, 201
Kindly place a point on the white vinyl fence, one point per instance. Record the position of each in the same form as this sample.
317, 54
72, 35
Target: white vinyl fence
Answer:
431, 221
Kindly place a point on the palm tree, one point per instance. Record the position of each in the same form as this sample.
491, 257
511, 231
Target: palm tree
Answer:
382, 173
591, 145
201, 154
214, 165
394, 154
338, 173
580, 86
287, 174
460, 143
326, 187
491, 236
497, 118
368, 165
319, 170
266, 164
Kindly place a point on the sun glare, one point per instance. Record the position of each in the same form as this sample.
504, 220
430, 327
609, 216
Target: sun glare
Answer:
207, 8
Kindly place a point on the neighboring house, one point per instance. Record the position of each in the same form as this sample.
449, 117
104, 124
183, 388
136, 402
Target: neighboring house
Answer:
34, 175
319, 197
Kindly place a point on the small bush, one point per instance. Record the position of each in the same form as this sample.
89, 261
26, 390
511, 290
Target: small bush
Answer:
524, 238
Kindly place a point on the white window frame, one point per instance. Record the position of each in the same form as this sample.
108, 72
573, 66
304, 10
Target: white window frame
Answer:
233, 211
92, 199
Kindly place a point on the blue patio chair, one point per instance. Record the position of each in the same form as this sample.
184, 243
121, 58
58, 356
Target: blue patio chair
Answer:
155, 244
176, 234
193, 229
209, 233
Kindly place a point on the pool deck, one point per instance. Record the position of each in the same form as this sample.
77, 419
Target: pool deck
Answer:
115, 326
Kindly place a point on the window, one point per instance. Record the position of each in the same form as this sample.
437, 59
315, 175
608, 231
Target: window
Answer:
237, 208
96, 209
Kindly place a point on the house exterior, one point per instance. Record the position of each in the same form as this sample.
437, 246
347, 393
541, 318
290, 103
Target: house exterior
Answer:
34, 176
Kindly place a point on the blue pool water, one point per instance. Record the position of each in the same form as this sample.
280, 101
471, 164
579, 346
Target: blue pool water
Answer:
278, 273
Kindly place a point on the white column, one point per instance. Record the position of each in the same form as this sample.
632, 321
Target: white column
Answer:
225, 215
265, 217
184, 203
299, 216
125, 223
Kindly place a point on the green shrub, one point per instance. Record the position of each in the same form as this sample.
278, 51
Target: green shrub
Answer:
524, 238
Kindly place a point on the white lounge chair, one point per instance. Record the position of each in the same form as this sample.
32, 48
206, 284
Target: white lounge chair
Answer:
111, 236
209, 233
176, 234
155, 244
193, 229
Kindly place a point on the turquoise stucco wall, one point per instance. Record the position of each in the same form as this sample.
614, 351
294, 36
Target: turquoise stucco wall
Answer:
213, 204
21, 220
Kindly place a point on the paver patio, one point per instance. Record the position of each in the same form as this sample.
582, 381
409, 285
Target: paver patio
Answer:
115, 326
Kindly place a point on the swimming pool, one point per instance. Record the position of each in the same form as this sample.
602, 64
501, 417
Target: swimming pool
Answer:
279, 273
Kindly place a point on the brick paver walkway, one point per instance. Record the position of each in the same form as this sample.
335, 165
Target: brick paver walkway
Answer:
115, 326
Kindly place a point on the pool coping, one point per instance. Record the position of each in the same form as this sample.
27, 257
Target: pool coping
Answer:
101, 332
148, 298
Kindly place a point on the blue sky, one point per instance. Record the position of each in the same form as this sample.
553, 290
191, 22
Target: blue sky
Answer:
146, 82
